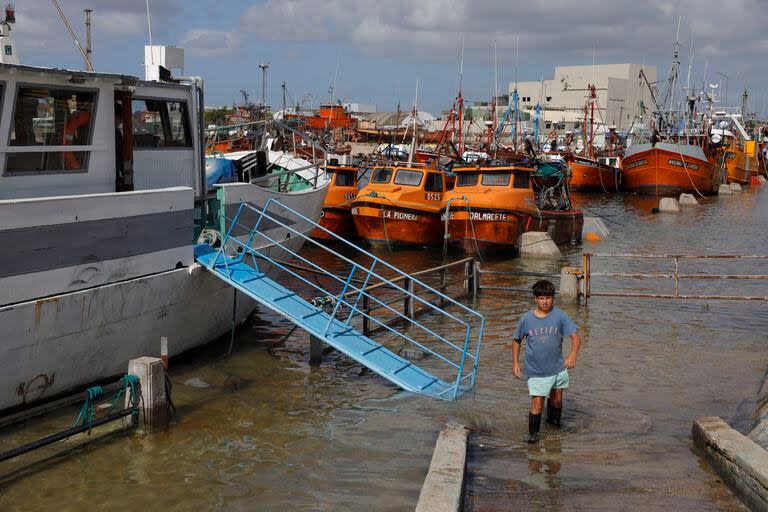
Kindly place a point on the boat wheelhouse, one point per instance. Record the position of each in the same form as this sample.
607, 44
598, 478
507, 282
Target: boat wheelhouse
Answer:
337, 207
400, 206
102, 195
491, 206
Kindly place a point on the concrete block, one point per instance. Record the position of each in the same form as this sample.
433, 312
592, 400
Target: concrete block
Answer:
741, 463
724, 190
569, 283
687, 199
761, 179
594, 228
153, 412
735, 187
669, 205
442, 489
538, 243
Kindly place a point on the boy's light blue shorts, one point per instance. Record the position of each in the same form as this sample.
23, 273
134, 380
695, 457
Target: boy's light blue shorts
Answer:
541, 386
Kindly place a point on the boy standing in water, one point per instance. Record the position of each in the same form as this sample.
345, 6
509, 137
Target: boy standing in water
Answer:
543, 329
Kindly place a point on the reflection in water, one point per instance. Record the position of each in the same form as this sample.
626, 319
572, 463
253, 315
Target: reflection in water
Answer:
544, 460
289, 436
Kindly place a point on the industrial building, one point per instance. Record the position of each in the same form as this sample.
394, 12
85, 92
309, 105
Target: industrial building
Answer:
620, 93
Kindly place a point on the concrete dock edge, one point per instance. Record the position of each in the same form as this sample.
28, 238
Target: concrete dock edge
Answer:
443, 488
740, 462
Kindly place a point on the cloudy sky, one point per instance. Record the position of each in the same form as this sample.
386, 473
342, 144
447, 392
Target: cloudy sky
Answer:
380, 48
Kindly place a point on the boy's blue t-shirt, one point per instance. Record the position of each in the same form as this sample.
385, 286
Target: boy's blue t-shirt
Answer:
544, 341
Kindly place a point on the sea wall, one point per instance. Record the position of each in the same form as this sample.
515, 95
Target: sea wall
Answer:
758, 430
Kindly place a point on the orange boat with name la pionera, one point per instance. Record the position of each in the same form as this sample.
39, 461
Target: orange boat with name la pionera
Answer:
400, 206
337, 208
491, 206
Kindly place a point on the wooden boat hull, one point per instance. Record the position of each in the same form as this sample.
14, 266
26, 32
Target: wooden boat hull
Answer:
385, 224
588, 175
335, 220
668, 170
491, 229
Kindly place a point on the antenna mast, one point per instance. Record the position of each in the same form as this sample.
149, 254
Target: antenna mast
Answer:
89, 57
72, 34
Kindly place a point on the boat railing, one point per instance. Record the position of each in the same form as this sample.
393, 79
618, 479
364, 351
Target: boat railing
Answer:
357, 289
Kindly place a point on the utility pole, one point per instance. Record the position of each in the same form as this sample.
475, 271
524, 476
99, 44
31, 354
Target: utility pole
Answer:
264, 66
88, 56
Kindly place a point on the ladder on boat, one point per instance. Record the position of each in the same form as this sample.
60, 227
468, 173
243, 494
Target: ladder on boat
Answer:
258, 242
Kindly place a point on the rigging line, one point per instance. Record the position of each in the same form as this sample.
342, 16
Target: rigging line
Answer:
609, 219
685, 167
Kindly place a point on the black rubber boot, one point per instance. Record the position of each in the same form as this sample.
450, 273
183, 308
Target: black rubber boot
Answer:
534, 425
553, 415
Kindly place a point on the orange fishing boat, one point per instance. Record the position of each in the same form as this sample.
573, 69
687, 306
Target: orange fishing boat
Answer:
337, 208
669, 169
492, 206
587, 173
731, 147
590, 175
400, 205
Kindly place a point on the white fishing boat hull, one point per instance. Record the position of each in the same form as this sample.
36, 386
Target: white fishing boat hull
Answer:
54, 343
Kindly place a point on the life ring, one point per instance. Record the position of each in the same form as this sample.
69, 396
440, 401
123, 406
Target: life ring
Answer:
74, 123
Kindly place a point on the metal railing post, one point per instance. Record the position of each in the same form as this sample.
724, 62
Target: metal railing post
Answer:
677, 276
408, 298
443, 285
367, 311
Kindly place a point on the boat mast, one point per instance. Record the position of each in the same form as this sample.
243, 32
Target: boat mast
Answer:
414, 114
461, 100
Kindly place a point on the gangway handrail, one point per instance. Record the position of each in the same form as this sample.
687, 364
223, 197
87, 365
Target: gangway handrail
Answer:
350, 290
355, 266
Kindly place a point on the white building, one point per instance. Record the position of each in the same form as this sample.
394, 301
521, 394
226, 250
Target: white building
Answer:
620, 92
360, 108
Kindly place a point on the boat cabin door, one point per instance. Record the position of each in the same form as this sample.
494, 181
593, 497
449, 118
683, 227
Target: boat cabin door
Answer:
123, 141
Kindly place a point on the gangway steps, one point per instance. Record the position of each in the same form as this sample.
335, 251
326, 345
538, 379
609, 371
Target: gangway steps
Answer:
314, 320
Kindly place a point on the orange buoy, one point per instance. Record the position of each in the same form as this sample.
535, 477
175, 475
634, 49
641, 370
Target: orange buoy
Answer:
593, 237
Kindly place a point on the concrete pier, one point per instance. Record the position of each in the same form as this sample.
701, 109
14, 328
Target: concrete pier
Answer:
741, 463
538, 243
761, 179
443, 487
669, 205
569, 283
735, 187
153, 410
724, 189
687, 200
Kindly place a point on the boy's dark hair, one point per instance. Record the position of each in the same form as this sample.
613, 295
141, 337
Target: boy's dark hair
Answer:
543, 288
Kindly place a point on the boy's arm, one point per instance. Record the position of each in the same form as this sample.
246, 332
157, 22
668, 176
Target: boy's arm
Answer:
515, 357
570, 361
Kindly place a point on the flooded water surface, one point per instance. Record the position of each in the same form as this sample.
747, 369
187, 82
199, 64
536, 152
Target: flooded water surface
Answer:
261, 429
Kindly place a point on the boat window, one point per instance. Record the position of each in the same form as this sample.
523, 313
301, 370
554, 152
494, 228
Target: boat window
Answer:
496, 179
522, 179
161, 124
466, 179
382, 175
406, 177
434, 182
51, 117
344, 179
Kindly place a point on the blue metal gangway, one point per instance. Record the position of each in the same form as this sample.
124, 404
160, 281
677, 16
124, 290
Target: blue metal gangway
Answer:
250, 260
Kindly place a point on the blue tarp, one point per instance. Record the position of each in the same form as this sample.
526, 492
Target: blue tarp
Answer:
219, 170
